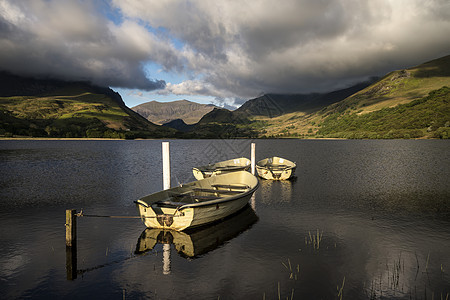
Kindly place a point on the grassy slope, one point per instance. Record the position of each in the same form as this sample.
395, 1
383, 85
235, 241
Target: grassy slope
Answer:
396, 88
399, 87
72, 112
425, 117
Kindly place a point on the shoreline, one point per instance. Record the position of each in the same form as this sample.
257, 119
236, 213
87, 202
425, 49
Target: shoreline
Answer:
140, 139
58, 139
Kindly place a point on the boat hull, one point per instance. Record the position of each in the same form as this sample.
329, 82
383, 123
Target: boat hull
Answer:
275, 175
157, 211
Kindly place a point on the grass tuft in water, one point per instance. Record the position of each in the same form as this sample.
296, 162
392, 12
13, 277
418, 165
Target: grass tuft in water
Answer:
341, 289
314, 239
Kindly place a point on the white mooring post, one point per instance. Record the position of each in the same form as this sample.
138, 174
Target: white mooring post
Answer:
166, 185
253, 158
166, 165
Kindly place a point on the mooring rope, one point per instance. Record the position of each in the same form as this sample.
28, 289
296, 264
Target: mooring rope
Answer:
116, 217
80, 214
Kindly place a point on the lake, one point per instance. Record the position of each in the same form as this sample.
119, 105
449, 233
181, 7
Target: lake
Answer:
362, 219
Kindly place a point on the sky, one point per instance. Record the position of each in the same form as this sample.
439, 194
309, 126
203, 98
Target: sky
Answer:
220, 52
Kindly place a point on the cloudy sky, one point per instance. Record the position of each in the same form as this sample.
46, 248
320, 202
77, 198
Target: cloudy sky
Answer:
219, 51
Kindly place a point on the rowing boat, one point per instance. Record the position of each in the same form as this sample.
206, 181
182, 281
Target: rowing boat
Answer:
201, 240
198, 202
275, 168
227, 166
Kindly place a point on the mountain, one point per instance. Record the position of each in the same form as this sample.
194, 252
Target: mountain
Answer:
399, 87
254, 117
274, 105
41, 107
164, 112
409, 103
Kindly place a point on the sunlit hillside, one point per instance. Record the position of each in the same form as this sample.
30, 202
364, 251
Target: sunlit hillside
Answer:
396, 88
48, 108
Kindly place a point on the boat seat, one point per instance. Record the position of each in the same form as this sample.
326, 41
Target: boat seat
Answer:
231, 186
231, 167
216, 191
188, 200
278, 168
205, 198
179, 195
275, 166
168, 203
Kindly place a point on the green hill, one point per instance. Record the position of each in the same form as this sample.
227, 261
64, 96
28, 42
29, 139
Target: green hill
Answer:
399, 87
388, 108
425, 117
54, 108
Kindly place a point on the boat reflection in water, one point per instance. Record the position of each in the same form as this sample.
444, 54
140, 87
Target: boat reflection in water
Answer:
276, 191
196, 242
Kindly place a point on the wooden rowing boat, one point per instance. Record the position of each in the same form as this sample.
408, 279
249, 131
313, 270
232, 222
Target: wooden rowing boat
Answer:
201, 240
227, 166
199, 202
275, 168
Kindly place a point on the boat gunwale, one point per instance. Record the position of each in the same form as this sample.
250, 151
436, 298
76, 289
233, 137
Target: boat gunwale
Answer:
212, 167
204, 169
264, 165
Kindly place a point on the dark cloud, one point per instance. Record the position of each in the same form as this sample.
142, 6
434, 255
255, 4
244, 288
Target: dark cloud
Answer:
229, 49
70, 40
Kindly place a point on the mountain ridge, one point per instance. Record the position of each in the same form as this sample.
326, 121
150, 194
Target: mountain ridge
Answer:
273, 105
164, 112
406, 103
267, 116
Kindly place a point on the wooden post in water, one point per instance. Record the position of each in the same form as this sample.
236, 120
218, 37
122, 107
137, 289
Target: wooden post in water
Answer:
166, 185
71, 227
71, 244
252, 157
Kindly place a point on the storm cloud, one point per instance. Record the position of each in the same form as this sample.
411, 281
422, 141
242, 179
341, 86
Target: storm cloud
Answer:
71, 40
226, 49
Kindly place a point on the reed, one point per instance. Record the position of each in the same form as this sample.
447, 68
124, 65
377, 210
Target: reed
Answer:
279, 295
292, 273
341, 289
314, 239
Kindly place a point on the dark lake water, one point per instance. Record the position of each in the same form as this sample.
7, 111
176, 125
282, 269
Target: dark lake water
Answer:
362, 220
